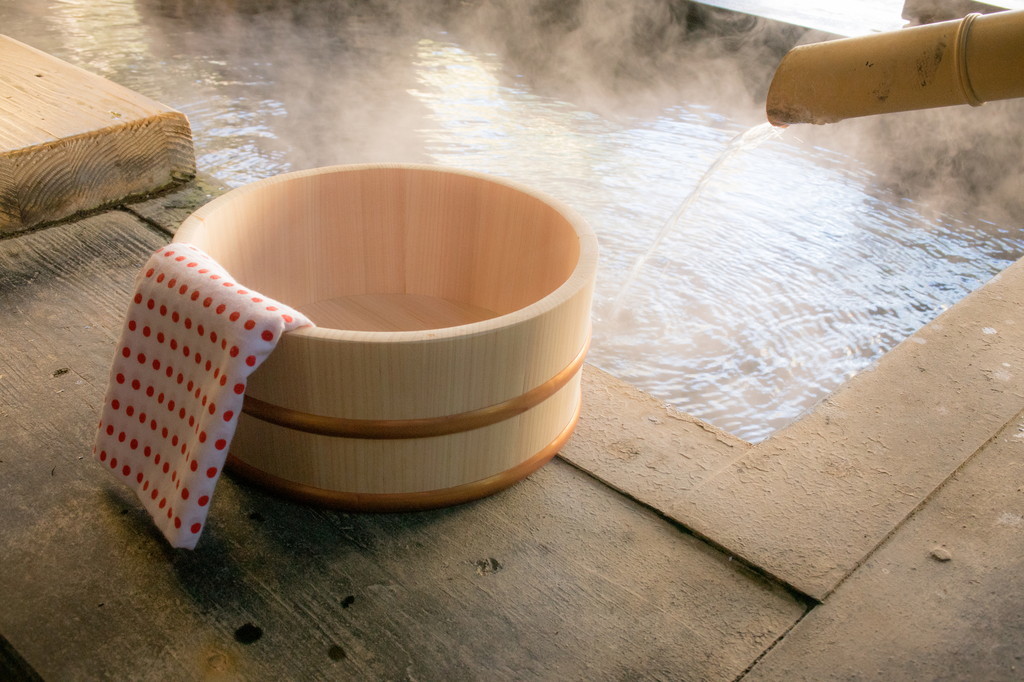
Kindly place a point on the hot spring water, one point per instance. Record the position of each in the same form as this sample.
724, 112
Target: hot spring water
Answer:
745, 140
786, 270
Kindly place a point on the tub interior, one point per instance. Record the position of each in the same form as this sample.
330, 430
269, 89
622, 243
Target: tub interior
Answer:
392, 249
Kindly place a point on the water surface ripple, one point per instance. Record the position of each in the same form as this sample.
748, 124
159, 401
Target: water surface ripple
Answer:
791, 272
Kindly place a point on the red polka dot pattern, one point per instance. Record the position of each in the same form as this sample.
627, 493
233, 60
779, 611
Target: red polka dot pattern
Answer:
191, 338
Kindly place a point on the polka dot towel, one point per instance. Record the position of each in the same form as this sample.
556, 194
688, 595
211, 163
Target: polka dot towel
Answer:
191, 338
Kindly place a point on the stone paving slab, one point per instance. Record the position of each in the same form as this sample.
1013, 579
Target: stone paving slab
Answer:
943, 599
559, 577
642, 446
811, 502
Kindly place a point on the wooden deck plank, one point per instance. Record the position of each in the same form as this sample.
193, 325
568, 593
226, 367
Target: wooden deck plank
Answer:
557, 578
168, 210
942, 599
71, 141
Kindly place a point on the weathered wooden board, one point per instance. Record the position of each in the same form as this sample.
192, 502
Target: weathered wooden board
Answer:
559, 577
72, 141
942, 599
168, 209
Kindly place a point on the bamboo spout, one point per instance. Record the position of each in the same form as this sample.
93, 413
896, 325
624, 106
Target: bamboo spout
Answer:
973, 60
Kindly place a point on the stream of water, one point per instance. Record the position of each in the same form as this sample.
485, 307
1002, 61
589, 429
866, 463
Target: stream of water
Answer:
746, 140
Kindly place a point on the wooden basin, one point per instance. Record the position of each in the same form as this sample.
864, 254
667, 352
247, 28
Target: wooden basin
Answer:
453, 316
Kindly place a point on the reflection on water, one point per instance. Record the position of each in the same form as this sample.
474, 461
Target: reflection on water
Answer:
745, 141
789, 274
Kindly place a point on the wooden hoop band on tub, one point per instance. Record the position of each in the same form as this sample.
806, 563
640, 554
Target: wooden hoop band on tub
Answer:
340, 427
414, 501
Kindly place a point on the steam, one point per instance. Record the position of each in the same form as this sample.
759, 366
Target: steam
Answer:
630, 57
285, 84
331, 80
792, 274
952, 160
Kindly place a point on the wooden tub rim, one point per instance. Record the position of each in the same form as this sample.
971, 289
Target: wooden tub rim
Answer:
581, 277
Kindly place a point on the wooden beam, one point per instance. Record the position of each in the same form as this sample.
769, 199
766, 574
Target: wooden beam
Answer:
71, 141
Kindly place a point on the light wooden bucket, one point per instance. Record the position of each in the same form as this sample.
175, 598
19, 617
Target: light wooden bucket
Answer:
453, 316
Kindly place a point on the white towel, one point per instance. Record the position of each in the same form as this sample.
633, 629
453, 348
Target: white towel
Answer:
192, 336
